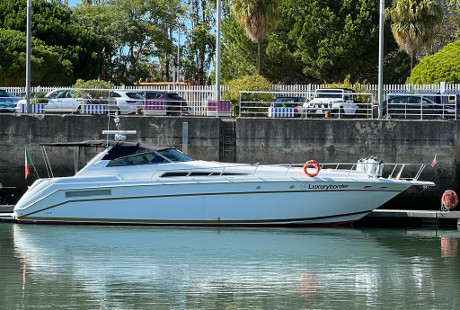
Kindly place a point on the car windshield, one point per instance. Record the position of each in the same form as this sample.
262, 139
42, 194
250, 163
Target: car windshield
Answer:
288, 99
5, 94
55, 94
328, 94
135, 96
152, 157
176, 96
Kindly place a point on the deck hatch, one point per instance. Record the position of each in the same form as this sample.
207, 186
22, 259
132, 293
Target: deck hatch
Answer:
88, 193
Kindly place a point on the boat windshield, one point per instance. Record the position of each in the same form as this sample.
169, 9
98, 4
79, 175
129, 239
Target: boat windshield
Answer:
152, 157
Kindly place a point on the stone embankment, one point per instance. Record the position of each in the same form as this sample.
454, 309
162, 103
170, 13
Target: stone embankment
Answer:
248, 140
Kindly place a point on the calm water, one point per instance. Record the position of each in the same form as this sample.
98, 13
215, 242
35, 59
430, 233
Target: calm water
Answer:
116, 267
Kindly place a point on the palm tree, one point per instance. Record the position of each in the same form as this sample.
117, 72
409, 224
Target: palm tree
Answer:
413, 23
256, 17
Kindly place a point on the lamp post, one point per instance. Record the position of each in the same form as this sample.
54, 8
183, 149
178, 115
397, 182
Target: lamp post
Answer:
178, 53
380, 81
218, 50
28, 53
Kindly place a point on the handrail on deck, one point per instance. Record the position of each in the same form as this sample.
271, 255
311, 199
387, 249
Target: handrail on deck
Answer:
347, 168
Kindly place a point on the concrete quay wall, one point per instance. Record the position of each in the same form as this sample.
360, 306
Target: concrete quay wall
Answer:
247, 140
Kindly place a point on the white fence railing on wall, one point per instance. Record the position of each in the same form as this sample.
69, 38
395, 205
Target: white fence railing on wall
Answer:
208, 91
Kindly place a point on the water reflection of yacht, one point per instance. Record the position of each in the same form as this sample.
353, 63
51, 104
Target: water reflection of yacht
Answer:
181, 260
132, 183
114, 267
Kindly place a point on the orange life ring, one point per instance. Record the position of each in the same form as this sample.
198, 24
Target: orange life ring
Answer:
311, 164
449, 199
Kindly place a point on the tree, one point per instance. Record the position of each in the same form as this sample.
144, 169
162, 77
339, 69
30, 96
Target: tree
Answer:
239, 53
444, 66
256, 17
247, 83
449, 29
75, 47
343, 41
137, 35
49, 67
200, 46
413, 24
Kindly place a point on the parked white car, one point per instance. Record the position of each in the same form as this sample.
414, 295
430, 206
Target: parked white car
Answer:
335, 100
125, 101
60, 100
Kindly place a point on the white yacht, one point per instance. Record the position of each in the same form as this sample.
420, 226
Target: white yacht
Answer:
132, 183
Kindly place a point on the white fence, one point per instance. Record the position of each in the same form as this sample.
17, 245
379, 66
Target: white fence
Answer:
200, 98
206, 92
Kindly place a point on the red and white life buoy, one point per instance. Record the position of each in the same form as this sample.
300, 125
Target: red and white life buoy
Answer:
449, 199
311, 164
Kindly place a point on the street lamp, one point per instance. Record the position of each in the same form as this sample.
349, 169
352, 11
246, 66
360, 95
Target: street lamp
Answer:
380, 81
218, 50
28, 53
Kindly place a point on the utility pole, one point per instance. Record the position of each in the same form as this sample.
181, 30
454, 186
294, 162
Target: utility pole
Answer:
28, 52
178, 55
380, 81
218, 51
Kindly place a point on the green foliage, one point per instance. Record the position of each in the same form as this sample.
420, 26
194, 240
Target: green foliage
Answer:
444, 66
357, 87
49, 67
314, 41
239, 54
257, 17
63, 48
99, 84
247, 83
200, 49
342, 41
135, 33
413, 24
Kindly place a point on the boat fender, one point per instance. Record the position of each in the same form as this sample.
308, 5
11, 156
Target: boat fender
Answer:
449, 200
311, 164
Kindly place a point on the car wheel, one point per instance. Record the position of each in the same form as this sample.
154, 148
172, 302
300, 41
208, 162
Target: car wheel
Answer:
115, 111
341, 114
387, 116
78, 110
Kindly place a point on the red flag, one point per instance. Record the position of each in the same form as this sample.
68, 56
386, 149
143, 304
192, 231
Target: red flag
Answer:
27, 163
434, 162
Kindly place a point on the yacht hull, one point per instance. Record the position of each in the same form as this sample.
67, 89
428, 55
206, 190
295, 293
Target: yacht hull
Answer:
200, 202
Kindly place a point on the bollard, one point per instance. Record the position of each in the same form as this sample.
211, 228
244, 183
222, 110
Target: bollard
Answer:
185, 138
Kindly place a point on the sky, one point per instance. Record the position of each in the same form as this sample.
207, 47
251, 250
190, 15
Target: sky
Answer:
73, 2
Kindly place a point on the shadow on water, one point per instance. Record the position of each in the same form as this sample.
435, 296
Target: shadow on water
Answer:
118, 267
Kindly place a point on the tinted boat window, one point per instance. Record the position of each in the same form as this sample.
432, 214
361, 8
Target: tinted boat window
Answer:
138, 159
154, 157
174, 155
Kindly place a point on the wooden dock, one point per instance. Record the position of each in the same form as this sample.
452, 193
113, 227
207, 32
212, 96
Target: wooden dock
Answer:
412, 217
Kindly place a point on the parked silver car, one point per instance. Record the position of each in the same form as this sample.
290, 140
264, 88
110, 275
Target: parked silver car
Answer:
125, 101
60, 100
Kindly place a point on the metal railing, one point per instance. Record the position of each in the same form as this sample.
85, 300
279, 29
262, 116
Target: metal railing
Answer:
103, 101
418, 106
394, 171
261, 104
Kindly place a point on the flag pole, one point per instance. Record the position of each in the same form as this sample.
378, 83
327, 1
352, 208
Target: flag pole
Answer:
29, 161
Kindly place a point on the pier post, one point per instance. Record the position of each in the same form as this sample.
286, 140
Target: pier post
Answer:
185, 138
